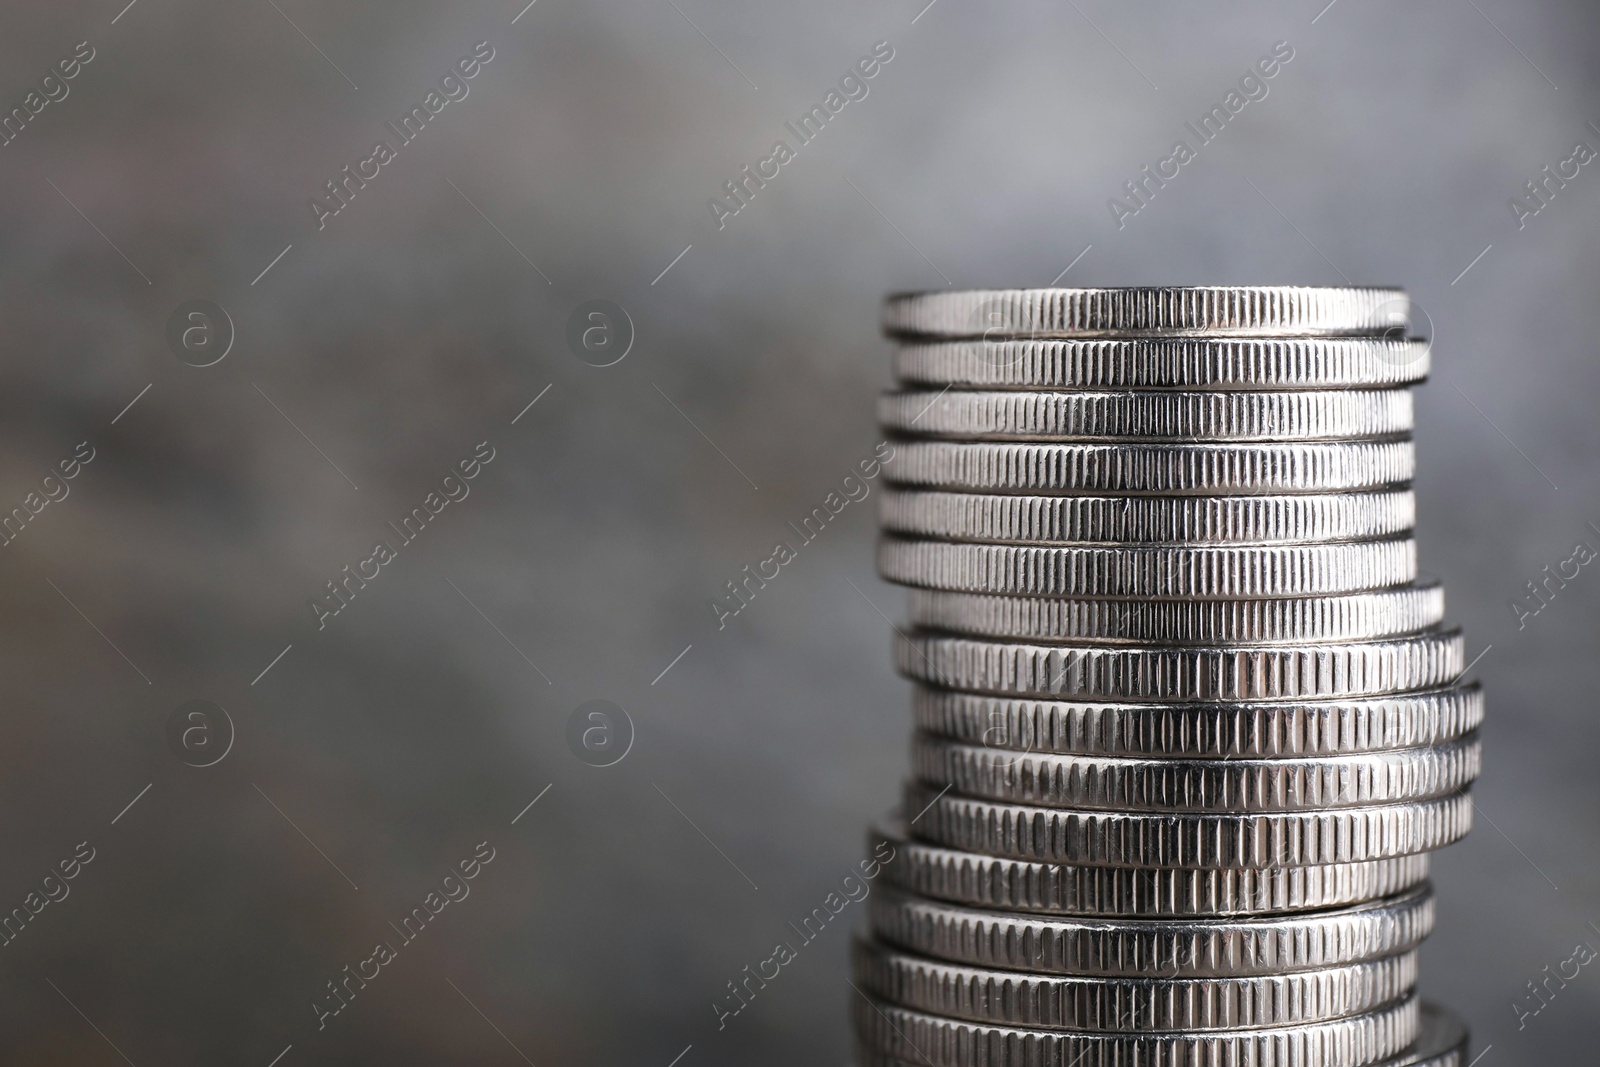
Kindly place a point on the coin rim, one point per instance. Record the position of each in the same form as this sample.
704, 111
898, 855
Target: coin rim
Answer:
1376, 1035
1057, 519
936, 709
1153, 947
1162, 572
1192, 673
1150, 311
1153, 1005
1147, 415
1361, 615
1162, 469
1214, 786
944, 874
1207, 840
1195, 363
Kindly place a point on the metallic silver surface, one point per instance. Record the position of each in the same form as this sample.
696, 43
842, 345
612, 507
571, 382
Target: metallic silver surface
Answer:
1284, 467
1249, 310
1225, 730
1188, 728
933, 1041
1344, 617
1181, 363
1441, 1041
1122, 783
1167, 948
988, 882
1286, 671
1130, 1005
1135, 839
1017, 517
1149, 414
1206, 571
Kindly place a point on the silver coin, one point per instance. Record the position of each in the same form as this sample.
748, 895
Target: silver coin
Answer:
1214, 731
1181, 363
1187, 673
1281, 467
992, 882
1139, 519
1441, 1042
1122, 1005
1245, 310
1139, 839
1226, 786
1168, 948
1345, 617
1149, 415
902, 1034
1205, 571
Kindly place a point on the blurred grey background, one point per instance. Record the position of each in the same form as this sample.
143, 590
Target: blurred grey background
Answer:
380, 350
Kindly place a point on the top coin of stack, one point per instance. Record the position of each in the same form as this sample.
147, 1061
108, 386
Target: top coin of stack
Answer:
1186, 722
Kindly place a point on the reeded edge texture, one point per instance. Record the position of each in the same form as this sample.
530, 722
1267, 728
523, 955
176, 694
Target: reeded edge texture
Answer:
1188, 673
1124, 1005
1036, 519
1441, 1042
1185, 363
936, 1042
1225, 786
1153, 948
1180, 839
1358, 616
1250, 310
978, 881
1133, 467
1217, 730
1148, 415
1156, 571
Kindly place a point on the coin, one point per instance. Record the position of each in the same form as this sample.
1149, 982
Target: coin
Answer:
1149, 415
1249, 310
1190, 519
1142, 839
1184, 672
903, 1034
1208, 571
1350, 616
1123, 783
1122, 1005
1214, 730
1279, 467
1184, 363
1166, 948
993, 882
1441, 1041
1013, 517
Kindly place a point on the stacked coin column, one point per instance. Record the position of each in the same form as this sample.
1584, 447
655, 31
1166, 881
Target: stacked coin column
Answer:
1187, 724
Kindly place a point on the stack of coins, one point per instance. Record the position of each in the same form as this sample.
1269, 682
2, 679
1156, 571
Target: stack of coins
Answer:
1187, 723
